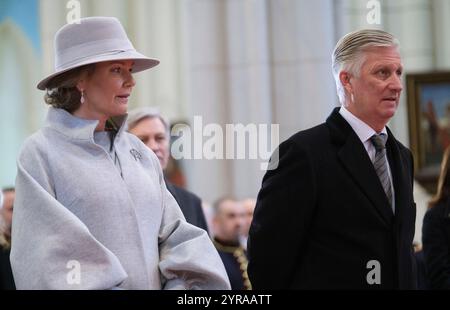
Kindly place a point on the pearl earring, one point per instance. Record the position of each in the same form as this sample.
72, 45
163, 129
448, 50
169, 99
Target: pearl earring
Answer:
82, 97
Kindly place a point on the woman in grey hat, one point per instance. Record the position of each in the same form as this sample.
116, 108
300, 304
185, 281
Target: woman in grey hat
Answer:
92, 210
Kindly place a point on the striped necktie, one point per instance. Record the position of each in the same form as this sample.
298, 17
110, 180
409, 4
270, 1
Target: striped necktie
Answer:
380, 164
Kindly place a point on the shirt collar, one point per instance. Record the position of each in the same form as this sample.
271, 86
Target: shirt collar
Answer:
362, 130
78, 128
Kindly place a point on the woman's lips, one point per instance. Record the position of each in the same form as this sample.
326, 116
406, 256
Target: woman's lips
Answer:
123, 99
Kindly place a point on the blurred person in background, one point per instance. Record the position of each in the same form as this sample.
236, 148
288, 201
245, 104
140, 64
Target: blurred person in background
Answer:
436, 231
228, 221
249, 207
7, 196
153, 130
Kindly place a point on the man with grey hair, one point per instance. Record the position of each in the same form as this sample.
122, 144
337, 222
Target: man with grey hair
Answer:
339, 208
154, 131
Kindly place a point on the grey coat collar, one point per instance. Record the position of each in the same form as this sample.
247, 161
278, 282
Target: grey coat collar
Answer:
78, 128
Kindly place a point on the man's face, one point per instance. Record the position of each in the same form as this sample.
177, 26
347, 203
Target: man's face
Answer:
7, 210
375, 93
229, 221
249, 207
152, 132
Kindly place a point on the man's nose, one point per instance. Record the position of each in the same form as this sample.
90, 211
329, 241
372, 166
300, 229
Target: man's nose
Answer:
153, 145
396, 83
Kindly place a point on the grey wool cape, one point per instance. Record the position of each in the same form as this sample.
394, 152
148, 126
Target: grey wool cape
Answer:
80, 222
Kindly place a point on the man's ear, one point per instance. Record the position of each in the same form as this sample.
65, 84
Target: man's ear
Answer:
215, 221
344, 77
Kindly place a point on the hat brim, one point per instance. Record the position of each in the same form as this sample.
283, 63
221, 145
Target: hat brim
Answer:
141, 63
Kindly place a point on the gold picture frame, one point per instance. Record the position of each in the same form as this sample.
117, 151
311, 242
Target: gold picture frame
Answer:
428, 97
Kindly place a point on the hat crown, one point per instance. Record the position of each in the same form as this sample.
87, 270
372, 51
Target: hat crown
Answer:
93, 36
93, 40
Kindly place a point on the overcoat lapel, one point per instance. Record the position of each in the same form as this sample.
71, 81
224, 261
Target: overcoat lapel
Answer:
400, 173
354, 158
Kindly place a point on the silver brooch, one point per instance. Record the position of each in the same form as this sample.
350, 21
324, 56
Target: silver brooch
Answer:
136, 154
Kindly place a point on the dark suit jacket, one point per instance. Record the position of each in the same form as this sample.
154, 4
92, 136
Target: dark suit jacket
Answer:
322, 215
6, 276
232, 263
190, 205
436, 245
423, 282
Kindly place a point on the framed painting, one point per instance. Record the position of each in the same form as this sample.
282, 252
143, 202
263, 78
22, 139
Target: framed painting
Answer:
428, 96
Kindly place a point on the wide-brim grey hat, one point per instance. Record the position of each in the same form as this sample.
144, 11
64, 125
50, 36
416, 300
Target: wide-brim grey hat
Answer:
94, 39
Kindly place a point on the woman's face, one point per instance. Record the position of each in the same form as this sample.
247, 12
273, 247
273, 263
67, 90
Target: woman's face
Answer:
106, 90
